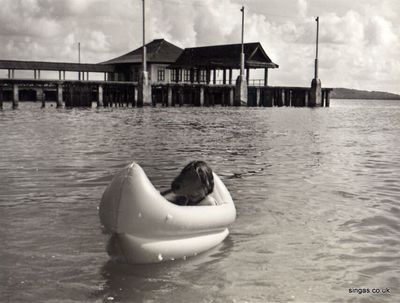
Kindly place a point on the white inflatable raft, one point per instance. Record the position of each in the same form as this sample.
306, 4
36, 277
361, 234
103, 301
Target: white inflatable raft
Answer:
151, 229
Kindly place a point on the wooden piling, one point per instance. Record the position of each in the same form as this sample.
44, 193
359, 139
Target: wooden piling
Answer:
1, 97
41, 96
180, 97
231, 95
169, 96
59, 95
306, 96
201, 95
15, 96
258, 96
273, 102
328, 98
100, 92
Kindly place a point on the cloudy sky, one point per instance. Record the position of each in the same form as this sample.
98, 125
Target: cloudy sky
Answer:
359, 39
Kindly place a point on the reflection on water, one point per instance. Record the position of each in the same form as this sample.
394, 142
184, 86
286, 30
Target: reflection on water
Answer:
317, 195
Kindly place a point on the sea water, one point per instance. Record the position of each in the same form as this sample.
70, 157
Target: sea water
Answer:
316, 190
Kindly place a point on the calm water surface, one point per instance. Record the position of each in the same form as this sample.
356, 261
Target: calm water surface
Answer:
317, 194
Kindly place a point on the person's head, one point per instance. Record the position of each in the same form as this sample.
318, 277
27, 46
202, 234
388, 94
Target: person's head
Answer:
195, 181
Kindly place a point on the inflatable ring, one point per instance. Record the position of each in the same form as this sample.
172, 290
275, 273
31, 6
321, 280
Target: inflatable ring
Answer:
149, 228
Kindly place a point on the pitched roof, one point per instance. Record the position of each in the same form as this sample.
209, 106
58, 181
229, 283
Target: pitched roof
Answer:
224, 56
158, 51
53, 66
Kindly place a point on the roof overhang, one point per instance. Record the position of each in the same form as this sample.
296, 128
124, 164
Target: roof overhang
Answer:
55, 66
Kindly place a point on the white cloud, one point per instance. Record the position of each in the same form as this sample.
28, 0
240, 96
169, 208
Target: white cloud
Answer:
359, 39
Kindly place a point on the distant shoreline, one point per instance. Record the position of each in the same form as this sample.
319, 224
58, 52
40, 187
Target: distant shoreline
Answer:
346, 93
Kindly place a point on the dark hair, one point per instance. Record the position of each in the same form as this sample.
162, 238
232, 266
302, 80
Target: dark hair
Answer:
204, 173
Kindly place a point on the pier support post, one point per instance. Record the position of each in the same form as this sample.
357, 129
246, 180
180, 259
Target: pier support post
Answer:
282, 97
323, 96
231, 96
201, 95
258, 93
1, 97
328, 98
240, 91
230, 77
40, 96
144, 95
15, 96
315, 93
100, 91
60, 92
306, 98
169, 96
180, 96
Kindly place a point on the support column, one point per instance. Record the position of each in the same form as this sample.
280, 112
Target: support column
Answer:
144, 95
306, 98
258, 94
315, 93
231, 96
248, 75
230, 77
282, 100
59, 75
63, 74
241, 96
328, 98
201, 95
40, 96
100, 91
9, 73
180, 96
105, 77
38, 74
214, 76
87, 76
15, 96
34, 74
169, 97
1, 97
266, 77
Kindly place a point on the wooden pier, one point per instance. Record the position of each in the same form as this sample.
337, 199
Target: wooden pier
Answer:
125, 94
199, 76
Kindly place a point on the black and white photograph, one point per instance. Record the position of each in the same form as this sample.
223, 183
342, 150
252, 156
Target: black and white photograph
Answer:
199, 151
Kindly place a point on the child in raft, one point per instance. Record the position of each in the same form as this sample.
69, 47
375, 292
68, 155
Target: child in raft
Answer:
192, 186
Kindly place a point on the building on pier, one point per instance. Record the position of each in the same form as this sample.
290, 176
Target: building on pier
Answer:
195, 64
160, 54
